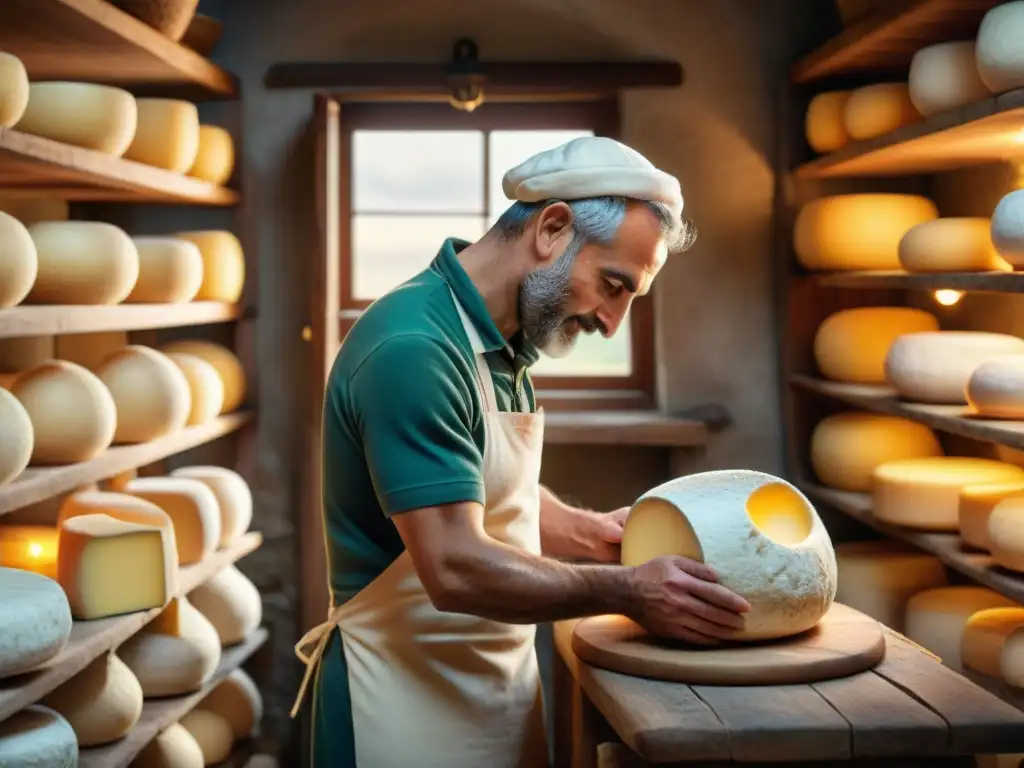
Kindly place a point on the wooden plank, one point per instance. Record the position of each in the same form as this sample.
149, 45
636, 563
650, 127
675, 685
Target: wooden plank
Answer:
984, 132
955, 419
93, 41
32, 166
623, 428
886, 41
37, 484
89, 639
158, 714
48, 320
978, 282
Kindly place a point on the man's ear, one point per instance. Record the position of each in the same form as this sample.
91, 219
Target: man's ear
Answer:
553, 231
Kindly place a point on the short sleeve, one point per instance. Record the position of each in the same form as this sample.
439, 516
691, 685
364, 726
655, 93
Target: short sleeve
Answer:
414, 408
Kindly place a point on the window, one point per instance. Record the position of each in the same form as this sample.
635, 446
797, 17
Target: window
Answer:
418, 173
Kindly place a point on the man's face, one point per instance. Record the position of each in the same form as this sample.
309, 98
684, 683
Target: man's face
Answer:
590, 289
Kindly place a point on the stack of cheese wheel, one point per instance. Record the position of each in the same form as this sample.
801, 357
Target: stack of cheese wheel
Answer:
150, 393
170, 271
951, 245
999, 57
857, 231
232, 604
18, 437
977, 503
824, 126
227, 364
82, 262
1007, 229
37, 735
993, 644
223, 265
874, 110
14, 89
19, 262
167, 134
173, 747
234, 499
944, 77
995, 388
205, 385
851, 345
97, 117
1006, 533
215, 160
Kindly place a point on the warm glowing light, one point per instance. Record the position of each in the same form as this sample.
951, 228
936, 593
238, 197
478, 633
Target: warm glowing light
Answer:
1019, 136
947, 297
35, 549
29, 547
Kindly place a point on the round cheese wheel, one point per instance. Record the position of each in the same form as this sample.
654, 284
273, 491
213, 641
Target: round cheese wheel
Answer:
233, 497
936, 618
760, 533
37, 736
16, 447
167, 134
29, 210
72, 412
1006, 534
944, 77
976, 505
877, 578
174, 747
925, 493
150, 392
1008, 228
98, 117
102, 703
223, 265
951, 245
237, 699
852, 344
232, 604
14, 89
83, 262
846, 447
857, 231
36, 618
170, 271
824, 125
205, 385
998, 54
996, 388
874, 110
212, 733
985, 637
19, 263
215, 160
89, 350
229, 367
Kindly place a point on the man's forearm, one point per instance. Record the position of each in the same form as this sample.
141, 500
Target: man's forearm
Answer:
565, 531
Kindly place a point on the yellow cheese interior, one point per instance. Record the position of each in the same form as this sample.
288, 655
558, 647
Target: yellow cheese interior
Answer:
780, 513
655, 528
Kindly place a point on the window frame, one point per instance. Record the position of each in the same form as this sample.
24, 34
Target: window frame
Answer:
632, 392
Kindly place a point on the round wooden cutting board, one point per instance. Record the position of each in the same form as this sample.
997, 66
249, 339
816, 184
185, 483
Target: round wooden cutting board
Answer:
844, 642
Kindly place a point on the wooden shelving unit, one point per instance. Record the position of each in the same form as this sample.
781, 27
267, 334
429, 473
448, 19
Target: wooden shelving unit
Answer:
626, 428
976, 282
46, 320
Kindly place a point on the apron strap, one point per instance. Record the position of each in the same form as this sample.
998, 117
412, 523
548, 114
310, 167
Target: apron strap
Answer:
310, 649
483, 370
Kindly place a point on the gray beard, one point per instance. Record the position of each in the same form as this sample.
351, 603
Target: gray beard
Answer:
543, 297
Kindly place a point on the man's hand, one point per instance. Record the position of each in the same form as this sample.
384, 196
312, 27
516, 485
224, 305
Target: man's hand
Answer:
607, 534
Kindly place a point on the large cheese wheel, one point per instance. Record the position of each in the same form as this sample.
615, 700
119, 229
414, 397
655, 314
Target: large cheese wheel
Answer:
116, 504
72, 412
174, 747
167, 135
986, 636
234, 498
193, 510
879, 577
944, 77
951, 245
215, 160
18, 437
175, 654
223, 265
37, 737
170, 271
857, 231
89, 350
83, 262
763, 537
14, 89
936, 618
229, 367
237, 699
1008, 227
212, 732
36, 621
150, 393
102, 702
205, 385
99, 117
852, 344
1006, 533
925, 493
846, 447
823, 124
976, 505
29, 210
232, 604
873, 110
998, 54
935, 366
996, 388
19, 262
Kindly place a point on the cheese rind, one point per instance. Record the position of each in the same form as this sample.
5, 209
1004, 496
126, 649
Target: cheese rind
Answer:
985, 636
14, 89
823, 124
976, 505
998, 54
851, 345
18, 437
193, 510
759, 532
36, 621
223, 265
98, 117
237, 699
935, 366
874, 110
228, 366
37, 737
215, 160
232, 604
174, 747
944, 77
234, 498
212, 732
150, 392
170, 271
1008, 227
117, 504
951, 244
19, 262
925, 493
205, 385
1006, 533
996, 388
167, 134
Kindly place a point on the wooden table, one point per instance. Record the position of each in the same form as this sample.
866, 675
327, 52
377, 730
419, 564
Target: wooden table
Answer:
909, 711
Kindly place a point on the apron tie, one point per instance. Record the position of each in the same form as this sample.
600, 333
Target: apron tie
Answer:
310, 649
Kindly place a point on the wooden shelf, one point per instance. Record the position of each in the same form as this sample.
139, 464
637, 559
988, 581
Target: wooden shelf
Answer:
945, 546
885, 42
648, 428
158, 714
985, 132
36, 484
979, 282
954, 419
93, 41
47, 320
89, 639
34, 166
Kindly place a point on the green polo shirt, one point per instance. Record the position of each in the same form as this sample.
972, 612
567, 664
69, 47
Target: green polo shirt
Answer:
403, 420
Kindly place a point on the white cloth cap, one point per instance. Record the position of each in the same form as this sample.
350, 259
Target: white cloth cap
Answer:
591, 166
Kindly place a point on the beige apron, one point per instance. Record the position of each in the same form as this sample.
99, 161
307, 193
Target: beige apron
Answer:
448, 690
